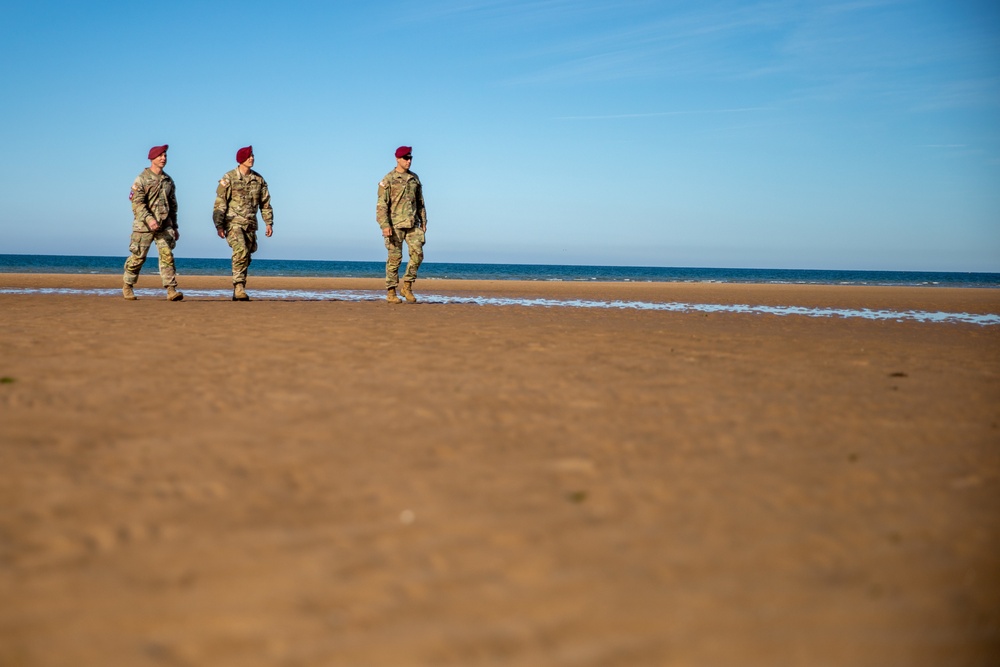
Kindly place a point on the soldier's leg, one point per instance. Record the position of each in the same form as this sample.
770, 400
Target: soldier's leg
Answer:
394, 246
236, 237
238, 241
165, 247
250, 239
415, 246
138, 248
168, 275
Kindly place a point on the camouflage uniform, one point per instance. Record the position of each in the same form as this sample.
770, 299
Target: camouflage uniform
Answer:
401, 207
237, 200
153, 197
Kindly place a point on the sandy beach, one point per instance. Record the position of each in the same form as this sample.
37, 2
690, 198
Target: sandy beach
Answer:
301, 483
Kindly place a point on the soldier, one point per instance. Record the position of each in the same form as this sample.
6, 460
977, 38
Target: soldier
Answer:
401, 214
154, 207
241, 193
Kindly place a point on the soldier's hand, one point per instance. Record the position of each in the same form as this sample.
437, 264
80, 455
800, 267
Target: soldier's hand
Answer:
268, 230
153, 225
387, 232
177, 234
221, 233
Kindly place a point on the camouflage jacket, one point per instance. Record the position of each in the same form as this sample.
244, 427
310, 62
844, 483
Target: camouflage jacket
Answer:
400, 201
238, 198
153, 196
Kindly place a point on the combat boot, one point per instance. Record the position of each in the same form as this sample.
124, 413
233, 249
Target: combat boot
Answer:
407, 291
391, 296
173, 294
239, 293
128, 292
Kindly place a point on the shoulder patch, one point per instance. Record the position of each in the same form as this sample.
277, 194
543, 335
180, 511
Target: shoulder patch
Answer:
224, 182
381, 183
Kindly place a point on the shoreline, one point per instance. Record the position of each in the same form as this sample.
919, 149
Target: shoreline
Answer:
929, 299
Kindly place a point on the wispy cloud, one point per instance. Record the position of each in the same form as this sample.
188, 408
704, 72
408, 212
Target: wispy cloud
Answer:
910, 53
651, 45
958, 94
508, 13
656, 114
728, 41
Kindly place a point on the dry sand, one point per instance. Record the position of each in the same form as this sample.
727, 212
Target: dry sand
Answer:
302, 483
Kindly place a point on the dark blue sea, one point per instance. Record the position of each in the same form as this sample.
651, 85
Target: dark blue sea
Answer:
543, 272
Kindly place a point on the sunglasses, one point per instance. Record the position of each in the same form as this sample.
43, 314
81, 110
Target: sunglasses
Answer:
407, 157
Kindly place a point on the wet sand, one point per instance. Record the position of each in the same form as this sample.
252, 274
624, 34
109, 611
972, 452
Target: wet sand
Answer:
309, 483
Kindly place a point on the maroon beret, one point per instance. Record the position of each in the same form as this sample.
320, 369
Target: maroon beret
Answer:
243, 153
157, 151
404, 150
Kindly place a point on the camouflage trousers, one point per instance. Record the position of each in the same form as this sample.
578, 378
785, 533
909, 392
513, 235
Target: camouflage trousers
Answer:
244, 243
414, 238
139, 247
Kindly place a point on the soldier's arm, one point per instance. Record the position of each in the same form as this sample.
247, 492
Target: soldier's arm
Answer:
266, 211
421, 210
382, 207
140, 207
172, 203
222, 194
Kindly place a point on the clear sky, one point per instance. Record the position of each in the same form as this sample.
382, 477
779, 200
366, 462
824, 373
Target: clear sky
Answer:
853, 134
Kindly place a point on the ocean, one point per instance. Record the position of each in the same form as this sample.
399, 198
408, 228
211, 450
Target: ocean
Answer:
543, 272
430, 271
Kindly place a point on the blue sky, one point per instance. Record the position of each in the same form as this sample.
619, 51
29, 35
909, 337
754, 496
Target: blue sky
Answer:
855, 134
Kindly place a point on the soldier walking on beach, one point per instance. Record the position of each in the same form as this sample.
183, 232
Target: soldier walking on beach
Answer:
401, 214
154, 207
241, 193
